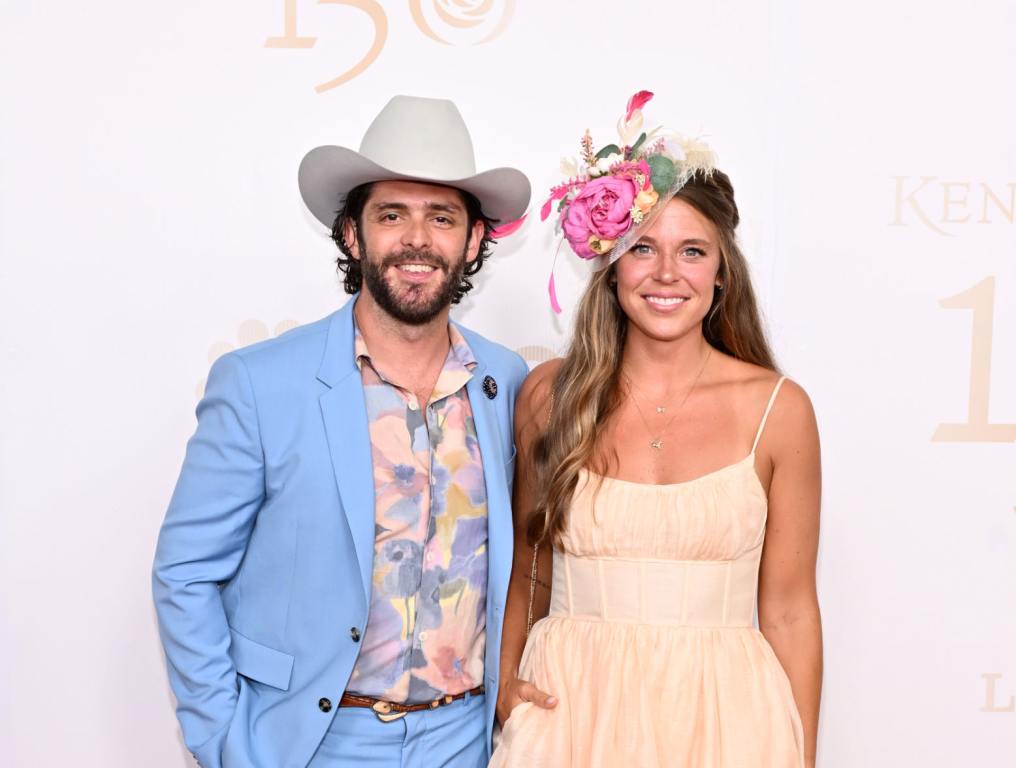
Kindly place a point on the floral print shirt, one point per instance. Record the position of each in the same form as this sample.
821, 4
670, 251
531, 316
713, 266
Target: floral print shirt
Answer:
426, 627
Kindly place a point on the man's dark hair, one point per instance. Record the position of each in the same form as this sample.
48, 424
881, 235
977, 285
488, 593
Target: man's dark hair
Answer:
352, 211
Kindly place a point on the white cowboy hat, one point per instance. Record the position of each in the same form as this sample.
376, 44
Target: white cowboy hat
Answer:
412, 139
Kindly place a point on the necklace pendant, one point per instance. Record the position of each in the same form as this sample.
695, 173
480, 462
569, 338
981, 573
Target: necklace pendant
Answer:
661, 409
657, 444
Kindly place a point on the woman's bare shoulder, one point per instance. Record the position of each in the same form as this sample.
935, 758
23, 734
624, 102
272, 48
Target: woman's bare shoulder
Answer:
749, 387
538, 384
744, 381
533, 405
791, 426
793, 408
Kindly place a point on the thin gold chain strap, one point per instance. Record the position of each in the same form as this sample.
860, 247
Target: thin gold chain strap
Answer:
532, 591
536, 547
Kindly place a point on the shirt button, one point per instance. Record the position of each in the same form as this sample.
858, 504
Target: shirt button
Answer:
413, 405
423, 635
325, 705
355, 634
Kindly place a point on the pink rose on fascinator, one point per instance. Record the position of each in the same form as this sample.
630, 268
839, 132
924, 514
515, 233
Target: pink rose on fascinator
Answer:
600, 212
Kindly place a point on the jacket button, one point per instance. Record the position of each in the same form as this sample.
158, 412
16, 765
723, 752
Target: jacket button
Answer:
325, 705
355, 634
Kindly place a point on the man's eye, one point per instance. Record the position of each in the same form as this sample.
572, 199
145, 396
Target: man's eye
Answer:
390, 217
442, 220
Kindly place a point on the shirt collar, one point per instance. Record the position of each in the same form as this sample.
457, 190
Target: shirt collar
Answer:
460, 354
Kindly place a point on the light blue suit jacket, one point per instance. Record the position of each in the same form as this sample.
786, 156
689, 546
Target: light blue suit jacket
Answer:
264, 562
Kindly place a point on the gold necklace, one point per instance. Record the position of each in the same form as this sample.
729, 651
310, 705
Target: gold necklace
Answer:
631, 384
657, 442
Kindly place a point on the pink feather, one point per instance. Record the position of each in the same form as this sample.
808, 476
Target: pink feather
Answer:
637, 101
553, 295
508, 229
545, 210
551, 289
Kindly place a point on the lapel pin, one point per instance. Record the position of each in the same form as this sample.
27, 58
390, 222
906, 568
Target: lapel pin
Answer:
489, 387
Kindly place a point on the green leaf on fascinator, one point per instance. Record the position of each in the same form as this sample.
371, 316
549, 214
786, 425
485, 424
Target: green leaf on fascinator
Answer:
663, 174
635, 147
610, 149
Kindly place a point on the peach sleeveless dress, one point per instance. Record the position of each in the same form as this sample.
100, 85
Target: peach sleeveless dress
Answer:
650, 645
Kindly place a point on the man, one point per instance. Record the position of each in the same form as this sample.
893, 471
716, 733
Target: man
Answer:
331, 575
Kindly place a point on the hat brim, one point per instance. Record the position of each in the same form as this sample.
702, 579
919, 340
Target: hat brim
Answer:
328, 173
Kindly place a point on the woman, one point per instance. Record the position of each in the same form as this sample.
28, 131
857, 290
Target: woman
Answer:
653, 461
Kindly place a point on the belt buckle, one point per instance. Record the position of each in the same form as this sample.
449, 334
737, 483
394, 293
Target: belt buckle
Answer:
383, 712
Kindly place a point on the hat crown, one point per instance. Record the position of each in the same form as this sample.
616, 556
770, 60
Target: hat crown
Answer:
421, 137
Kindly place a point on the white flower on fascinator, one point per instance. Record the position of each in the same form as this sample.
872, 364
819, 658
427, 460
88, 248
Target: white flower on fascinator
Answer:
602, 166
569, 167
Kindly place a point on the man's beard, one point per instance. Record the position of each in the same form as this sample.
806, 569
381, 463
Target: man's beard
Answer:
414, 308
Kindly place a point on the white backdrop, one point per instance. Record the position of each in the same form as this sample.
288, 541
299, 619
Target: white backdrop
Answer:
149, 220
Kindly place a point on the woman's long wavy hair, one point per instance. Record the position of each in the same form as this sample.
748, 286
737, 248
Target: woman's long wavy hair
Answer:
586, 391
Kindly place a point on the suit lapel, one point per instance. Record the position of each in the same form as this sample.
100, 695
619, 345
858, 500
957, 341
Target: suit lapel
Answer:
345, 419
499, 520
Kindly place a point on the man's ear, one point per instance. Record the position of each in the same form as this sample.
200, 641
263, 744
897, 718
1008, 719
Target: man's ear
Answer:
475, 238
349, 238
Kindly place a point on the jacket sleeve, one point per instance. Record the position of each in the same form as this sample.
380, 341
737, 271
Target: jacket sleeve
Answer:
202, 541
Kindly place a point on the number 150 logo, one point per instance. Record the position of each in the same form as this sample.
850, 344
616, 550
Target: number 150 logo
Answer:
459, 21
977, 428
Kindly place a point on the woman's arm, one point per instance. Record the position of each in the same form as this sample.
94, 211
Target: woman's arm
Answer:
788, 612
531, 413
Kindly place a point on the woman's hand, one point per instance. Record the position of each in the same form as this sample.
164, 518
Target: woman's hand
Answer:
514, 692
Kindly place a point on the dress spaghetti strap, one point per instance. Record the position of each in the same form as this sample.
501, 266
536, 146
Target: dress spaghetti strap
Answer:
769, 407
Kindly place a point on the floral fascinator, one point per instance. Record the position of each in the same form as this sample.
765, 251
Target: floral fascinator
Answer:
612, 194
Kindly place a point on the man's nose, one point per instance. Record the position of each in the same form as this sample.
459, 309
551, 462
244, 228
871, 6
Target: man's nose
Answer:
416, 234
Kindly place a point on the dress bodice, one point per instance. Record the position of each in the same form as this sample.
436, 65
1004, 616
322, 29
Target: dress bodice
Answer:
681, 554
718, 516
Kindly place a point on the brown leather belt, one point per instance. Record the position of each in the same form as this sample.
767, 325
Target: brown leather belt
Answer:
387, 711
